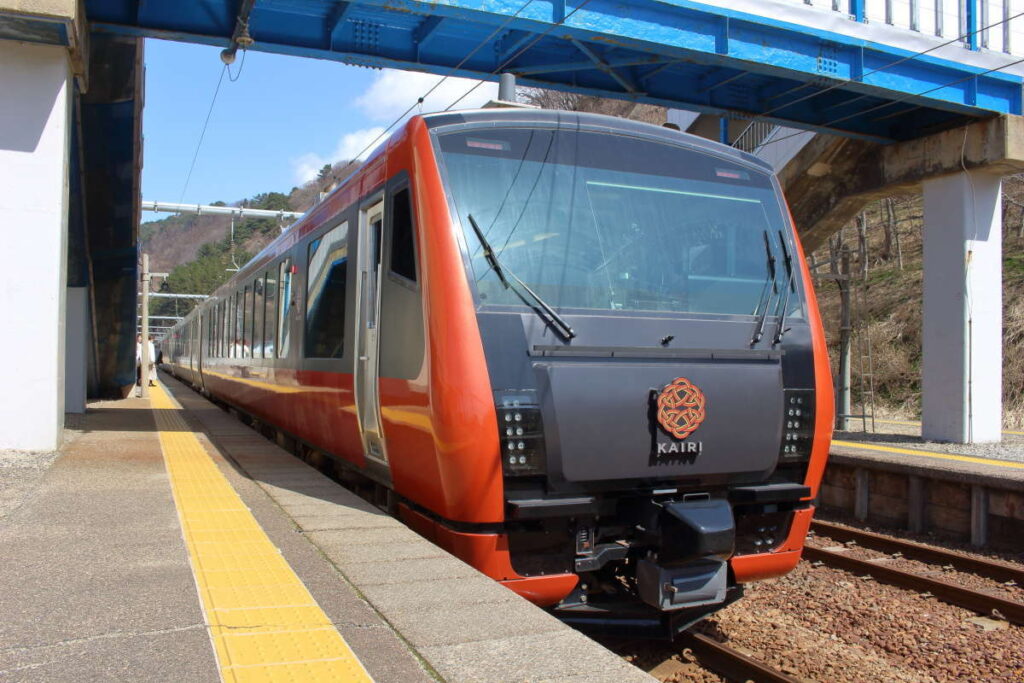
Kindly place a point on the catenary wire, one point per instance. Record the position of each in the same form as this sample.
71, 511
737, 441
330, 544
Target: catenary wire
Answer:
444, 78
861, 78
519, 53
904, 98
199, 145
240, 67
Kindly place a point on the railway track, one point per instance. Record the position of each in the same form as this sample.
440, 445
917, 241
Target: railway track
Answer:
978, 601
992, 569
730, 663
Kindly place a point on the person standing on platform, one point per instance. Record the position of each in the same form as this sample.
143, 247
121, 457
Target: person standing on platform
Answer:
152, 362
138, 360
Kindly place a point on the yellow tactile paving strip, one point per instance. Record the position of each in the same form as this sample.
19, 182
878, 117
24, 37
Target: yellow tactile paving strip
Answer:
264, 624
929, 454
912, 423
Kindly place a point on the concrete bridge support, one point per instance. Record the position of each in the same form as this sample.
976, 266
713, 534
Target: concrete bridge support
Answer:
35, 115
959, 172
962, 335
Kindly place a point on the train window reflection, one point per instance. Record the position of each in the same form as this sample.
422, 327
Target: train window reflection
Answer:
258, 306
270, 319
284, 326
605, 221
327, 268
247, 322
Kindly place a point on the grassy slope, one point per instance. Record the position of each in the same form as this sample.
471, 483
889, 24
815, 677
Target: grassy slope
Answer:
893, 309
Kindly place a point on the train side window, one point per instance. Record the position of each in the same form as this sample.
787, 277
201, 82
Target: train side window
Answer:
231, 303
270, 314
403, 244
258, 305
285, 297
237, 327
327, 268
247, 322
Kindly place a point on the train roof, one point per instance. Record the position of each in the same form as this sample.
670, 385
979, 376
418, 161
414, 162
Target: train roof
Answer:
573, 120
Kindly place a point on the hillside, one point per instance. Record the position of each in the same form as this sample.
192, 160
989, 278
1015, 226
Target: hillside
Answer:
199, 251
892, 316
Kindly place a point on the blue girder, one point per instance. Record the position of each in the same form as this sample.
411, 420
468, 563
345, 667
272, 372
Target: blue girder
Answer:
676, 53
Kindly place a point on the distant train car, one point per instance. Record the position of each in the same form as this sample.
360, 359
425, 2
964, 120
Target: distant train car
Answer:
580, 353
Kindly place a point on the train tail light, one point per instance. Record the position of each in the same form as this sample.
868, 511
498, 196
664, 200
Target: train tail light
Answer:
797, 425
521, 433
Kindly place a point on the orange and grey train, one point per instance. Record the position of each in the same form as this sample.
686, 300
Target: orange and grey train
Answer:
582, 354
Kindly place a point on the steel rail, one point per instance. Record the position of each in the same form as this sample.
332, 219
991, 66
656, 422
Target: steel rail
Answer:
991, 569
728, 662
947, 591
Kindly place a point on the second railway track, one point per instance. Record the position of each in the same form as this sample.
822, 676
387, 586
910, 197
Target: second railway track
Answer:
992, 569
982, 602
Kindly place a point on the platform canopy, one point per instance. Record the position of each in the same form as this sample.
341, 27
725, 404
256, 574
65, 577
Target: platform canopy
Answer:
675, 53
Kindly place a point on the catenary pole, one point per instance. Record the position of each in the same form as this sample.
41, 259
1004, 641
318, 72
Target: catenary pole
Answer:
144, 350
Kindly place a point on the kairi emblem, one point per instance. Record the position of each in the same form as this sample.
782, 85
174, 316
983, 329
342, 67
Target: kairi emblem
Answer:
681, 409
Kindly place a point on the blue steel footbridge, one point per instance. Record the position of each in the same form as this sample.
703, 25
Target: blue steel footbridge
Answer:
829, 69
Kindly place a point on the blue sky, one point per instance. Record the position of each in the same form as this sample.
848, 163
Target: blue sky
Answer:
283, 118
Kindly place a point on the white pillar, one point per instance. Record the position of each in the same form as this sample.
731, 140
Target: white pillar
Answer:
76, 348
962, 331
34, 138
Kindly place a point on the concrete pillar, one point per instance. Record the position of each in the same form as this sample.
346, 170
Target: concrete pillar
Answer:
76, 349
861, 494
963, 305
34, 138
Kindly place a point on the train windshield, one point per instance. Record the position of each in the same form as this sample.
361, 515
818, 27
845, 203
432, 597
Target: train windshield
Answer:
612, 222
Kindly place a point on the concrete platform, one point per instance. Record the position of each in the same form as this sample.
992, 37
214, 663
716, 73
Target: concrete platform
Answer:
97, 582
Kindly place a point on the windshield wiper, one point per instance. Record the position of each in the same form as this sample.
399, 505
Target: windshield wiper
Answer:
769, 286
549, 314
781, 330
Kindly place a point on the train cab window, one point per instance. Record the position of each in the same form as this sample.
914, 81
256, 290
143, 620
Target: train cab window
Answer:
247, 322
592, 220
285, 306
327, 268
258, 305
403, 244
270, 315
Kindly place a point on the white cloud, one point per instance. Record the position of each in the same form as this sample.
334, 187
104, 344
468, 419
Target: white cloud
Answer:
307, 166
355, 143
392, 92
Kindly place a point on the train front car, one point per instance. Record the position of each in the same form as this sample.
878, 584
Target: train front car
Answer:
658, 367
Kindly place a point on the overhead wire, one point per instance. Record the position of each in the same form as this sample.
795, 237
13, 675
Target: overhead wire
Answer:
904, 98
519, 53
902, 60
240, 67
206, 123
421, 98
861, 78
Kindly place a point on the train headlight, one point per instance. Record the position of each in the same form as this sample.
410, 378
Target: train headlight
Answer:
797, 425
521, 432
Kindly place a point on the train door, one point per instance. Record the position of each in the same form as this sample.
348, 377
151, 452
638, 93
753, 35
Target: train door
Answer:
367, 365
